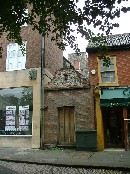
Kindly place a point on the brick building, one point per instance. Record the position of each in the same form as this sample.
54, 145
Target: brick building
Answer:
111, 92
68, 108
22, 80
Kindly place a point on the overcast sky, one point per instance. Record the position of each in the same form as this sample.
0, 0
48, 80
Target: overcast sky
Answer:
124, 22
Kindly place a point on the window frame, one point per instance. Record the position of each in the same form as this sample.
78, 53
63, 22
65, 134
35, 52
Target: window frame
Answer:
16, 56
16, 115
115, 70
76, 64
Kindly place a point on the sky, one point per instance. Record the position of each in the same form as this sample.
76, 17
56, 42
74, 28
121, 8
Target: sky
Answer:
124, 27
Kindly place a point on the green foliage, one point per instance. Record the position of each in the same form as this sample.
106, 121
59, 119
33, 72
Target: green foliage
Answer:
57, 16
103, 52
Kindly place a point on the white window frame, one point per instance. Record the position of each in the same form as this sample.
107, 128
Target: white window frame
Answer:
15, 58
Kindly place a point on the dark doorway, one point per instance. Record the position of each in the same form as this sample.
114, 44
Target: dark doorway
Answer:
113, 127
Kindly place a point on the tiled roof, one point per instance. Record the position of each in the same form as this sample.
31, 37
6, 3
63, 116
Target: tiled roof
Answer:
112, 40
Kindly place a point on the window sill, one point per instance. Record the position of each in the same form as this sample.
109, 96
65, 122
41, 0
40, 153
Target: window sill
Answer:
15, 70
108, 84
15, 135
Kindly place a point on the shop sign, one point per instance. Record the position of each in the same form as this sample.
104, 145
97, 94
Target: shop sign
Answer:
126, 92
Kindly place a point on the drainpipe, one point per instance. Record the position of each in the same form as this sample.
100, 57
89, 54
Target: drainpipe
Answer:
42, 94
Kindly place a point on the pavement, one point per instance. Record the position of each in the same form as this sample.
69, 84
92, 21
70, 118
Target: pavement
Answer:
108, 159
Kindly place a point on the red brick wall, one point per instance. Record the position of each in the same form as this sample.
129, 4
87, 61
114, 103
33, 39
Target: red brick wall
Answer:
81, 99
123, 68
53, 55
34, 41
122, 63
92, 65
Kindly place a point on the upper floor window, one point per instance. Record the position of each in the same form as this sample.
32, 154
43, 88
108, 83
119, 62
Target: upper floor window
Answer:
16, 58
77, 65
107, 74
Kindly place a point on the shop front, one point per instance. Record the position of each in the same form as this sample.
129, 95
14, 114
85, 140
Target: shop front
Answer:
19, 109
113, 118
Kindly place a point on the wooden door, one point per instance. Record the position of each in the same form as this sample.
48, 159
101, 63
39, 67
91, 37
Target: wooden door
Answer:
66, 125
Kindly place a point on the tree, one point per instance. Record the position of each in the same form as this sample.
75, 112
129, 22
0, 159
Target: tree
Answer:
57, 16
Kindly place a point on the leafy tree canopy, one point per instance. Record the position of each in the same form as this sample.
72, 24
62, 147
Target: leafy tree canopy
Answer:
58, 16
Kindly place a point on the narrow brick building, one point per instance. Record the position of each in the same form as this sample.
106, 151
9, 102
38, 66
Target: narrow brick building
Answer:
68, 107
111, 86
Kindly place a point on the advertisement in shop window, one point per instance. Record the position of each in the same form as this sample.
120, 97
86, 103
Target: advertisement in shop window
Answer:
17, 122
10, 118
16, 108
23, 118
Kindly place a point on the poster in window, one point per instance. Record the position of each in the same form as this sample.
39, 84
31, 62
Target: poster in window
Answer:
24, 118
10, 118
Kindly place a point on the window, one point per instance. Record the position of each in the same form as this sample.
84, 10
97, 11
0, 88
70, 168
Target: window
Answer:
107, 74
16, 107
16, 59
77, 65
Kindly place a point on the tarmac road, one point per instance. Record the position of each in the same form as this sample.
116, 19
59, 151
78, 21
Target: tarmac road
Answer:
23, 168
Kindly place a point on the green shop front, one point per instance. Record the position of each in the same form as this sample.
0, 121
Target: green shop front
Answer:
113, 118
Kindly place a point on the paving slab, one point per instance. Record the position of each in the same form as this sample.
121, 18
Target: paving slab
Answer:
68, 157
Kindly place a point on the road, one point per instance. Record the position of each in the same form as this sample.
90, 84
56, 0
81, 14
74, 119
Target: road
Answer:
23, 168
5, 170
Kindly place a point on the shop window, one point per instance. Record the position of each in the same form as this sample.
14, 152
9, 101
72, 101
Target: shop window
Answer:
107, 74
16, 108
16, 57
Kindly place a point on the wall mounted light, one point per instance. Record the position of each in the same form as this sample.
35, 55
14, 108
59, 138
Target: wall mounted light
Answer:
93, 71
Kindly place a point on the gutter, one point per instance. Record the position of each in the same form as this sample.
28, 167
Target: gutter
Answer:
42, 93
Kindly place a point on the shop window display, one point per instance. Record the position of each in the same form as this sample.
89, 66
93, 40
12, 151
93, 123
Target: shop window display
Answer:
16, 108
